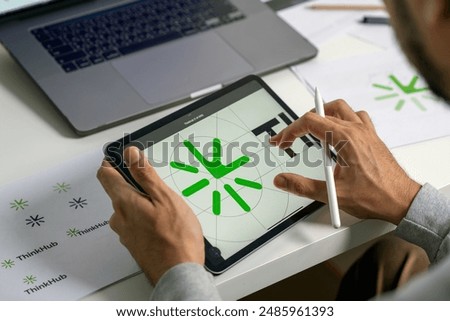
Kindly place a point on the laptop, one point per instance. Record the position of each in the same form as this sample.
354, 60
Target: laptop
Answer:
104, 62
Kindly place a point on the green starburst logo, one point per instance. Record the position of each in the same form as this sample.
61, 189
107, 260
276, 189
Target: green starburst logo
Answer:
61, 187
404, 92
8, 264
217, 171
72, 232
19, 204
29, 279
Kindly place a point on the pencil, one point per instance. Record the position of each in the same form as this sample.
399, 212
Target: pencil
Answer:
328, 167
346, 7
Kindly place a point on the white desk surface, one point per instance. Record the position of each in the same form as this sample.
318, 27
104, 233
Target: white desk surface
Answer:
36, 137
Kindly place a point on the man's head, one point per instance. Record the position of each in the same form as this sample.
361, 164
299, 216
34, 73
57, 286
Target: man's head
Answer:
423, 30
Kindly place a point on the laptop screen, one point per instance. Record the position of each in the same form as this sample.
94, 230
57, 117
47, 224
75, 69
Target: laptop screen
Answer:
8, 6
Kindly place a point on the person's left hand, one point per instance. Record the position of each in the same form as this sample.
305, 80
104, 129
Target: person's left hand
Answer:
158, 228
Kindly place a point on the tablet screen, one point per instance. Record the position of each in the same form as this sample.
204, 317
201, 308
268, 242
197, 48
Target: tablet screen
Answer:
217, 157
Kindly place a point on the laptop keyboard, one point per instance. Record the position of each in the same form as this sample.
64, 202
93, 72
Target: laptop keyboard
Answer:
92, 39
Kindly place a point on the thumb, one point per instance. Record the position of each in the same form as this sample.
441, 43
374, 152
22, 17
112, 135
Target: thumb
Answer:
302, 186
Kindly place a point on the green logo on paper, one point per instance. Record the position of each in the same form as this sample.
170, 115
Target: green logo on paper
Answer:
404, 92
217, 170
19, 204
61, 187
29, 279
72, 232
8, 264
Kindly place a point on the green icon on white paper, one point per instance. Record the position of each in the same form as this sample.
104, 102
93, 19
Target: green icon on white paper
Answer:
61, 187
19, 204
404, 92
72, 232
8, 264
29, 279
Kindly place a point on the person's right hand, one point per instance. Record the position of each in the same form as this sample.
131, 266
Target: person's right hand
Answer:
371, 185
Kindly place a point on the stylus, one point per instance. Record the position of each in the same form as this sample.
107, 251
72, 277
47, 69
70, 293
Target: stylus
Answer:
328, 166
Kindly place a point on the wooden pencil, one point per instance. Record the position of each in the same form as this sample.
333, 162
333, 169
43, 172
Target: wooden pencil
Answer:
346, 7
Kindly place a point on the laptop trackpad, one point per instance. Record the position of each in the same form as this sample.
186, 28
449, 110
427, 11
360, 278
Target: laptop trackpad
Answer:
174, 70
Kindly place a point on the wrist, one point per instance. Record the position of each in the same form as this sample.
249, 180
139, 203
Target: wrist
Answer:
155, 269
407, 192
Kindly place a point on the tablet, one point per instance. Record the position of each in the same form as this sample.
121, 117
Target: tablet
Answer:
215, 154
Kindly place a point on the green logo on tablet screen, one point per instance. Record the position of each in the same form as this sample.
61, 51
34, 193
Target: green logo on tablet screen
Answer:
217, 170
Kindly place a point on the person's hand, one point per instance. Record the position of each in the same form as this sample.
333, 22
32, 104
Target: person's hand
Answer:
369, 181
159, 228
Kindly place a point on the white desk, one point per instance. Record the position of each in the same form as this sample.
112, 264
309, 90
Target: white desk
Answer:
36, 138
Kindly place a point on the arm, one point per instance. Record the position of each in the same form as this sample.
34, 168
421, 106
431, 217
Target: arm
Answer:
431, 286
427, 223
159, 229
186, 281
370, 184
369, 181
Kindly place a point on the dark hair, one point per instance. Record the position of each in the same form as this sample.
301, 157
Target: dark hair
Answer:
412, 45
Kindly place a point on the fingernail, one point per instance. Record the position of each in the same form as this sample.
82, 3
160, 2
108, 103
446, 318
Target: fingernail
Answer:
280, 182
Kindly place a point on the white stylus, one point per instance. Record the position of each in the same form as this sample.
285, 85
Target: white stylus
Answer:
328, 166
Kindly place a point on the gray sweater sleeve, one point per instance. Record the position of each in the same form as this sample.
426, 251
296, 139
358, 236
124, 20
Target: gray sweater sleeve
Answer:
427, 223
186, 282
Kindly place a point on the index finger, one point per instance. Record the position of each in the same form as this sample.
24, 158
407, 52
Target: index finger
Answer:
340, 109
111, 180
309, 123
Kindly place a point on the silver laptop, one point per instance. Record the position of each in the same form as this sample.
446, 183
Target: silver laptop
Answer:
103, 62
